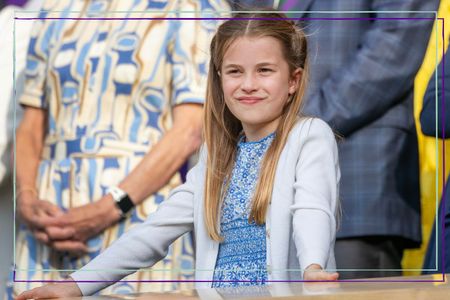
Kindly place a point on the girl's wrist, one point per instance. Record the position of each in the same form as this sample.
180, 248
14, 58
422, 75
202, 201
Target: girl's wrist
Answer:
313, 267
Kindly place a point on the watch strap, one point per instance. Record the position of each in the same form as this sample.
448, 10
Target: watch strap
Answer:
122, 200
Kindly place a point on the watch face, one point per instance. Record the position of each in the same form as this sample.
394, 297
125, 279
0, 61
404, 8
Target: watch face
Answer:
125, 204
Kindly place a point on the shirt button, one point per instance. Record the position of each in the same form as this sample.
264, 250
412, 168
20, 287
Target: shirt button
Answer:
268, 233
269, 269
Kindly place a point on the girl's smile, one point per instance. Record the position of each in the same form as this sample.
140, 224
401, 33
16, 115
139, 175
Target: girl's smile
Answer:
257, 83
249, 99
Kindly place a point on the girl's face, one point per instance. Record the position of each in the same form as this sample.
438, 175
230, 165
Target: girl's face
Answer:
256, 84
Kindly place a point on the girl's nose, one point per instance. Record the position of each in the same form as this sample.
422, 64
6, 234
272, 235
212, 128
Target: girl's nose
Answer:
249, 83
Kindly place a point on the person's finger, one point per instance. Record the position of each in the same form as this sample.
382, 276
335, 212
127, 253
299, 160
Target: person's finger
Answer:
27, 214
335, 276
41, 236
57, 221
326, 276
41, 221
36, 216
74, 247
321, 275
59, 233
52, 209
35, 221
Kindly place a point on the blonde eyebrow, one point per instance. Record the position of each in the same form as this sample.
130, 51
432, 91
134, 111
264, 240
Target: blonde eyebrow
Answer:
231, 66
266, 64
263, 64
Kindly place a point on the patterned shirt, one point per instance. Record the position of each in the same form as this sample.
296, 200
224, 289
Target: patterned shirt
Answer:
242, 254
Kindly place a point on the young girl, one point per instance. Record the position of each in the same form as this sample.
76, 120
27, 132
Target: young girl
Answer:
262, 198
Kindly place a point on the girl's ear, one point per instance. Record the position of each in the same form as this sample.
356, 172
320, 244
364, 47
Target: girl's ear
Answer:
294, 81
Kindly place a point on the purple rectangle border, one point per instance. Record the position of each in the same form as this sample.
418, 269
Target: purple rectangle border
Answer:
289, 18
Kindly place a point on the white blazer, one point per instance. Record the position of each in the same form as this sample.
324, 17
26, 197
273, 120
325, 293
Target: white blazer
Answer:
300, 222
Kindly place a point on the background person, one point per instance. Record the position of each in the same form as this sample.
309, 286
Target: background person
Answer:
362, 79
428, 124
112, 110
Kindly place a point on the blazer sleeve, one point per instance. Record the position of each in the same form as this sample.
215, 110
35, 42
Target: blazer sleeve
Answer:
147, 243
381, 72
428, 113
316, 195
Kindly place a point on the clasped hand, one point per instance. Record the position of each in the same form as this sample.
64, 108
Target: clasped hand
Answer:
66, 231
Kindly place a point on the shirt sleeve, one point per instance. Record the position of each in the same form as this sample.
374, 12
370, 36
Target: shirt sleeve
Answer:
316, 195
34, 93
147, 243
190, 52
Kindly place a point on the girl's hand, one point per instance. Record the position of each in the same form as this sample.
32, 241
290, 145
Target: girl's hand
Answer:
315, 272
54, 290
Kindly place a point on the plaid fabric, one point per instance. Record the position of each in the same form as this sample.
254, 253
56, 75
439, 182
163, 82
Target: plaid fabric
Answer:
362, 76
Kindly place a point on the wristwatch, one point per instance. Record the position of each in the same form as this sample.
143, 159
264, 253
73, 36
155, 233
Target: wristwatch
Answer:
123, 201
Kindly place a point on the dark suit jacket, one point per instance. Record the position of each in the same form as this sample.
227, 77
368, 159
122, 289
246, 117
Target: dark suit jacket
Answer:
428, 113
362, 75
428, 124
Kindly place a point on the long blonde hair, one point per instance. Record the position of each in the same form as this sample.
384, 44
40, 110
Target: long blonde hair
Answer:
222, 128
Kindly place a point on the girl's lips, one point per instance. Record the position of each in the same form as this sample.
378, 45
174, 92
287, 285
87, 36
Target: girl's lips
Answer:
249, 100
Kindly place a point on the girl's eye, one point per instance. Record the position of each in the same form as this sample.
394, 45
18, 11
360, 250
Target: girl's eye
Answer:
265, 70
233, 71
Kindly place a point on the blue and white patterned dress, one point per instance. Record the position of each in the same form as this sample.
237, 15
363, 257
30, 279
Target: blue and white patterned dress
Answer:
242, 255
109, 87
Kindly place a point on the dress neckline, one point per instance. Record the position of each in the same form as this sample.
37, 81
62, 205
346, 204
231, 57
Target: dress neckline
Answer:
243, 142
